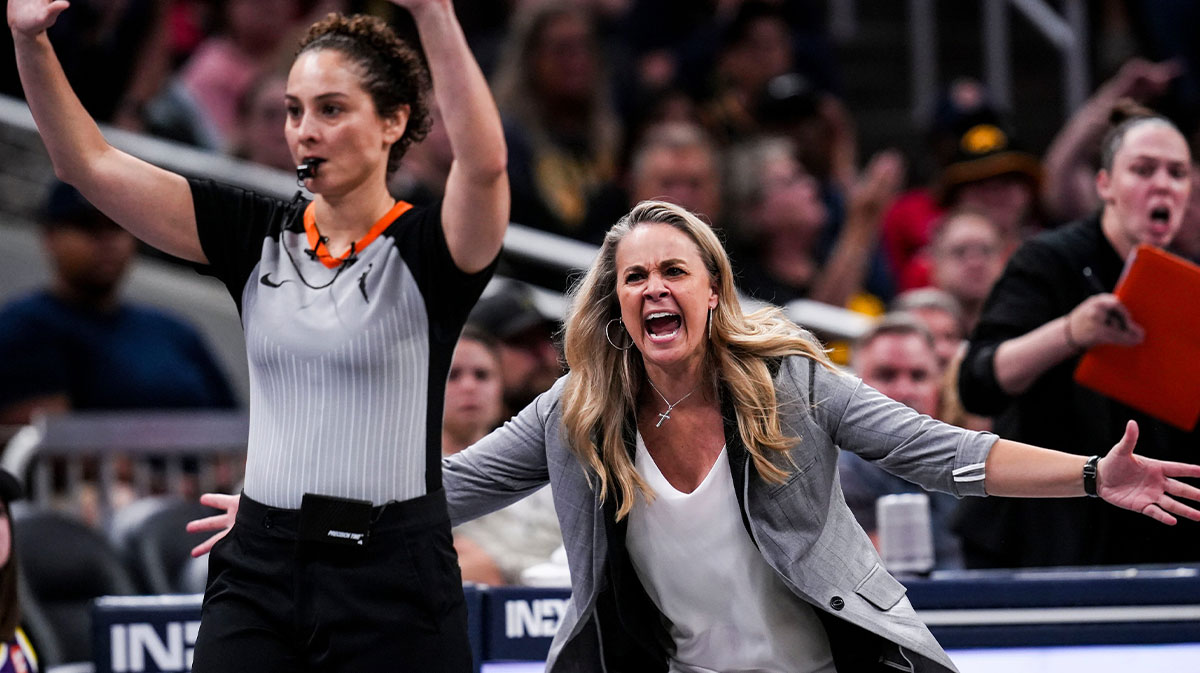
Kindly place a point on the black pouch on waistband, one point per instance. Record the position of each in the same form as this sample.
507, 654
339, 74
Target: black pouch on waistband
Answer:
331, 520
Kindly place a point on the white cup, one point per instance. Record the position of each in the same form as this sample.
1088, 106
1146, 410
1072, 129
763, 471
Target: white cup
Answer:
905, 532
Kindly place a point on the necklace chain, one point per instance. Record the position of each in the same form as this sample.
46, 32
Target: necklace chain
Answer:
667, 414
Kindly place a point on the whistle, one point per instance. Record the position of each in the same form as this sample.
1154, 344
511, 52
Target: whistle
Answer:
307, 170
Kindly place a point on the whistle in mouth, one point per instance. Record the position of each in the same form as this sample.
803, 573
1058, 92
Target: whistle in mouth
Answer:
307, 170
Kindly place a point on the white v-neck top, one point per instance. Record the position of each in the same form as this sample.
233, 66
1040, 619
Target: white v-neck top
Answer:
728, 611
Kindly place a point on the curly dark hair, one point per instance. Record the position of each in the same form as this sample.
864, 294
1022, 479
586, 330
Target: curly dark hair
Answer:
393, 73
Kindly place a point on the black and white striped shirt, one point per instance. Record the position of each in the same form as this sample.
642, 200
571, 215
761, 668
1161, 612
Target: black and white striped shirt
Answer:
348, 357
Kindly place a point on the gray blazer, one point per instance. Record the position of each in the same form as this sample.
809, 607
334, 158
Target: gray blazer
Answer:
802, 526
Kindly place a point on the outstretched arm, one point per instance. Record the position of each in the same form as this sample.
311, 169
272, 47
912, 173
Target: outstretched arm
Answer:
153, 204
475, 209
1131, 482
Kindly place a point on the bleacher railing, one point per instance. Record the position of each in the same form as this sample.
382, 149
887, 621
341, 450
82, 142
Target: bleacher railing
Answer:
142, 453
1066, 32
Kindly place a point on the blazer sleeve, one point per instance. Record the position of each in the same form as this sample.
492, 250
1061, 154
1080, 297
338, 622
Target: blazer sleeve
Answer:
506, 465
925, 451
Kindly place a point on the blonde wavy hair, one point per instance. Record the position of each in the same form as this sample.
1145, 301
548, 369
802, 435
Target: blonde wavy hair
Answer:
602, 391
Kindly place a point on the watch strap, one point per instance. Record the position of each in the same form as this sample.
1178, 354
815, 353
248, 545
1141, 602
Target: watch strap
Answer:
1090, 469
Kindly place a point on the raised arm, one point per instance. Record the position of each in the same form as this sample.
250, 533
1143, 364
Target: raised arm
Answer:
475, 209
153, 204
869, 198
1132, 482
1069, 184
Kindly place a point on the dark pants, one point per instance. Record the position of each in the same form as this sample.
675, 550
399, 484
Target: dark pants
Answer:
276, 604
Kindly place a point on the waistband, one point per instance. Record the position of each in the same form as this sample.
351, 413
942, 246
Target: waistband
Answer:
413, 514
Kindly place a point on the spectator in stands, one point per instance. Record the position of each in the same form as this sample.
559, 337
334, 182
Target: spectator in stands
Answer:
897, 358
674, 161
987, 171
678, 162
760, 41
493, 549
783, 217
529, 359
1069, 189
260, 117
563, 133
993, 175
421, 176
967, 254
474, 391
250, 41
1042, 315
16, 653
942, 315
826, 144
908, 222
77, 345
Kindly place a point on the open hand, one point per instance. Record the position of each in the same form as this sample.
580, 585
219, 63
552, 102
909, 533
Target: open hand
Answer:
878, 185
1144, 80
217, 522
1146, 485
31, 17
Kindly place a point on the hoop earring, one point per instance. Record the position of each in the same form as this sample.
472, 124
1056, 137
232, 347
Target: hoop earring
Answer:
610, 339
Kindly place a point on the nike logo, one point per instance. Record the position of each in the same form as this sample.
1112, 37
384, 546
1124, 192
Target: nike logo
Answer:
266, 280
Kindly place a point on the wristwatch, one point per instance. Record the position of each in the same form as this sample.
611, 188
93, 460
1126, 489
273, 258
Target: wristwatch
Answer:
1090, 470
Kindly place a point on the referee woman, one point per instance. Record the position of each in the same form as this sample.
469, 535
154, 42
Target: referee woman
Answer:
341, 558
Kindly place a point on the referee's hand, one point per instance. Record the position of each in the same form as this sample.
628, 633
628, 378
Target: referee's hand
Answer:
217, 522
32, 17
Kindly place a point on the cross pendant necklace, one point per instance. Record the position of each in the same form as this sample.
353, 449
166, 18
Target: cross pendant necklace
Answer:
667, 414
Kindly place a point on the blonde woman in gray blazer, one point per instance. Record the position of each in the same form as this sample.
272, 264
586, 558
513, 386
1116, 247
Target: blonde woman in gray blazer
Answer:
664, 364
692, 456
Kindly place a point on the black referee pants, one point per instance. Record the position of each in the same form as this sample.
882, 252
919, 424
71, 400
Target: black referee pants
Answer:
274, 604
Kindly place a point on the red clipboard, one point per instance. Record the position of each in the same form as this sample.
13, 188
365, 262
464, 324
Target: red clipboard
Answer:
1161, 375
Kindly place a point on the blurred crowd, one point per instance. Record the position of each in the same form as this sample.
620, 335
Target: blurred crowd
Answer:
731, 108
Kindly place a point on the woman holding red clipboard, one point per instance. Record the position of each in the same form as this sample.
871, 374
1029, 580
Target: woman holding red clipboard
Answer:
1052, 303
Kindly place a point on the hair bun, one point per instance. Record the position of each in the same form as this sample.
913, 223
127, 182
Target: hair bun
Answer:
1127, 108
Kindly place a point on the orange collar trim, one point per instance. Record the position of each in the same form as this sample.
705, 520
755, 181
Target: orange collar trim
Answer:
316, 244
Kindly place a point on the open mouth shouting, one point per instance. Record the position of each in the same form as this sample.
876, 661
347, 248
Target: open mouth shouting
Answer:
662, 325
1160, 220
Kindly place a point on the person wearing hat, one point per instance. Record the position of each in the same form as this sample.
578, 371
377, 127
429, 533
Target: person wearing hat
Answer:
980, 166
529, 360
992, 174
16, 653
77, 345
